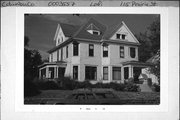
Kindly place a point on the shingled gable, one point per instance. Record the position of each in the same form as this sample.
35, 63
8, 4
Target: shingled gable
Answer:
82, 33
111, 31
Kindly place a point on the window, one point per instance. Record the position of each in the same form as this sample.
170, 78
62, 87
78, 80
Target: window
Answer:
57, 55
51, 57
91, 50
75, 49
95, 32
123, 36
66, 51
116, 73
132, 52
90, 73
61, 53
105, 73
75, 72
126, 73
117, 36
121, 52
120, 36
105, 51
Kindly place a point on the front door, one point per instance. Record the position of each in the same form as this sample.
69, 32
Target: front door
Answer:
137, 72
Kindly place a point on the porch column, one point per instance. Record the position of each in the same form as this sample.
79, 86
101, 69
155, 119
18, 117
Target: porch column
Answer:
57, 72
47, 72
130, 71
55, 75
122, 74
39, 73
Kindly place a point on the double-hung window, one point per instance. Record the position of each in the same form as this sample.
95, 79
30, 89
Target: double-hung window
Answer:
105, 73
132, 52
75, 72
105, 51
116, 73
75, 49
121, 51
91, 50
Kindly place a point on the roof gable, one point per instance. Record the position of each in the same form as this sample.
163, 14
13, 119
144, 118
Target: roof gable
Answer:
122, 29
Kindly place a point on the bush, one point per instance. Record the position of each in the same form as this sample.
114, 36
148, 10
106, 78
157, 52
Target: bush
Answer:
156, 87
30, 89
130, 87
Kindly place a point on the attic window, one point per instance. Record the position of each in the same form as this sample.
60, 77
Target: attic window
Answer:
120, 36
96, 32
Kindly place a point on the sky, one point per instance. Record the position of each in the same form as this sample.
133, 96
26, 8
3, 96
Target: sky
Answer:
41, 28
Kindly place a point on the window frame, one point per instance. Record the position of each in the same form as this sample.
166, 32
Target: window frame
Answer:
130, 54
105, 73
75, 72
61, 54
90, 74
105, 53
113, 73
121, 52
91, 51
76, 50
67, 51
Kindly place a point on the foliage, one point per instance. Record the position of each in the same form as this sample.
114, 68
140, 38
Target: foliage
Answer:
156, 87
70, 84
32, 59
30, 89
150, 41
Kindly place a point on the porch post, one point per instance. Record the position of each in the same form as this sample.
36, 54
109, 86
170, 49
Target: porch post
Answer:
39, 73
55, 72
47, 72
130, 71
122, 74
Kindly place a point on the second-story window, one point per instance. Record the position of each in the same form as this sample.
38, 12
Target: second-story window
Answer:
121, 51
61, 53
91, 50
120, 36
75, 49
57, 55
66, 51
105, 51
132, 52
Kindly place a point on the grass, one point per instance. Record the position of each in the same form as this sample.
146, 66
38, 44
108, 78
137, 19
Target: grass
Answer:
126, 97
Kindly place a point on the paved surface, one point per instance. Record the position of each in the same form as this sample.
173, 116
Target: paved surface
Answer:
145, 88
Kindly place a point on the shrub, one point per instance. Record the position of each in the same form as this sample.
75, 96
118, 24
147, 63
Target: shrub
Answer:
49, 85
156, 87
130, 87
30, 89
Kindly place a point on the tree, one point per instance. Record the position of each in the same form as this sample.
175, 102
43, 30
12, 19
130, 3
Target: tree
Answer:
150, 46
32, 59
150, 41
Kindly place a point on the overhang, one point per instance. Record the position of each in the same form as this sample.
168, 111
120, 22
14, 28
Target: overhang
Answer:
137, 64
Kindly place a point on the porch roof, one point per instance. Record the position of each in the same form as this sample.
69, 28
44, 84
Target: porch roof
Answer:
58, 63
137, 63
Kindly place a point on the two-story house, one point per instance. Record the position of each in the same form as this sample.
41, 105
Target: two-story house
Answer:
93, 52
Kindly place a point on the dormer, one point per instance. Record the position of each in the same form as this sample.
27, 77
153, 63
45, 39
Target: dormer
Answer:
92, 29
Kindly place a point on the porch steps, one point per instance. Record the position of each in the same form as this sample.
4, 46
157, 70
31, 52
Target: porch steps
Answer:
145, 88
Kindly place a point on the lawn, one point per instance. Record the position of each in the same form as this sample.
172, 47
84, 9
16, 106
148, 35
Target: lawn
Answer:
126, 97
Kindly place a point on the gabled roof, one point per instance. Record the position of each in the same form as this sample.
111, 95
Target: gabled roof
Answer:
112, 30
69, 30
82, 32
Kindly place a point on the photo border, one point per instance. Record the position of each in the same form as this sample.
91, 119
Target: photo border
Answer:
19, 95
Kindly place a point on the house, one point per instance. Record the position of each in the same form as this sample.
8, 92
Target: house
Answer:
93, 52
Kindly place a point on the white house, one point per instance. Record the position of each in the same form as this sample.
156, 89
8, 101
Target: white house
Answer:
93, 52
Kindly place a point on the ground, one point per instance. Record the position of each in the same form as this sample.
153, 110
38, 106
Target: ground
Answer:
126, 97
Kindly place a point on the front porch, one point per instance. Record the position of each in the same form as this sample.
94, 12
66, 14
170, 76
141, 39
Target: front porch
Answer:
133, 69
52, 70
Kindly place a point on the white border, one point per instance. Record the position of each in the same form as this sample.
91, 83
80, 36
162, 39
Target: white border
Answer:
19, 106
